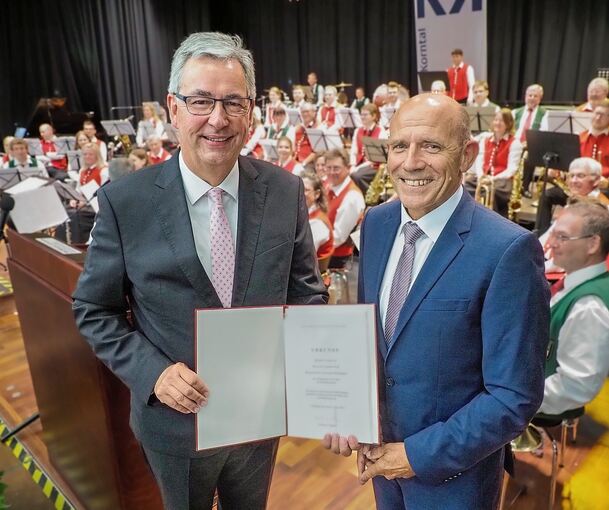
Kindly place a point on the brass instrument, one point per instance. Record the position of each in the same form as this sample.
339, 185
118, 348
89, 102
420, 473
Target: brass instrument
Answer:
485, 191
379, 189
515, 202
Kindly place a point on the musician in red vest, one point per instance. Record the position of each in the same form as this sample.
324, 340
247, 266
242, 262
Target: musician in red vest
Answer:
594, 143
256, 132
94, 167
59, 162
286, 160
362, 170
156, 152
321, 228
461, 78
498, 157
274, 103
304, 151
598, 90
346, 205
326, 116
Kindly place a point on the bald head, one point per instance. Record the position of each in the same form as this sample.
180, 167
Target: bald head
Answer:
429, 150
440, 107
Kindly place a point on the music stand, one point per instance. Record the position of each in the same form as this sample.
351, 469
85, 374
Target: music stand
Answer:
569, 122
387, 113
294, 117
63, 144
480, 118
34, 147
376, 150
67, 193
269, 146
348, 118
551, 150
11, 176
426, 78
118, 127
74, 159
308, 93
322, 141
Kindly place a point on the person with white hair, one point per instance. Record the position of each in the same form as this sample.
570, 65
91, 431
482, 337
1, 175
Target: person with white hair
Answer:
583, 180
326, 116
438, 87
598, 90
156, 152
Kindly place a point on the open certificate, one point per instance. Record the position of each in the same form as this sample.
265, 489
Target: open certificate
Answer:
301, 371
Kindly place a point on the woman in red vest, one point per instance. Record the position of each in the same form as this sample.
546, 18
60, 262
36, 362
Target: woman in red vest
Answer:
499, 157
321, 228
94, 168
286, 160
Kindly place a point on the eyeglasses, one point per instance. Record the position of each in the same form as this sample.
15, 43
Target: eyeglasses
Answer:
203, 105
561, 238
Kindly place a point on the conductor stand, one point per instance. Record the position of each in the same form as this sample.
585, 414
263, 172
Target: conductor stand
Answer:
120, 130
550, 150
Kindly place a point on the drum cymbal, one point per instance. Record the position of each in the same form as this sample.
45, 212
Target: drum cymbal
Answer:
342, 85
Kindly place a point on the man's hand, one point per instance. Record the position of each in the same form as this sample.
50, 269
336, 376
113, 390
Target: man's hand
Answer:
340, 445
181, 389
388, 460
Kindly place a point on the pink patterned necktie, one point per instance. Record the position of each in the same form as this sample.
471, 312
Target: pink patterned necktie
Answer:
222, 250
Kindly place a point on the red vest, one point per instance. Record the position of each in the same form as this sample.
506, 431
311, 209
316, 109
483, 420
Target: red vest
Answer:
595, 147
257, 151
326, 249
328, 115
374, 133
155, 160
49, 146
289, 165
496, 155
457, 81
334, 202
303, 145
90, 174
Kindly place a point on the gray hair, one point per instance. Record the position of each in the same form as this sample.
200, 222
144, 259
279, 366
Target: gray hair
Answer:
119, 167
213, 45
536, 86
308, 106
461, 127
596, 221
600, 81
592, 166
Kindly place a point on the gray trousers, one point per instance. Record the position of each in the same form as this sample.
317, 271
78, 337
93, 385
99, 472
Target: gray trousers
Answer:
241, 474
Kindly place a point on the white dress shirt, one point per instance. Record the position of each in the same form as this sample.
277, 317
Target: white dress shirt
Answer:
321, 233
198, 202
432, 225
523, 118
348, 213
583, 348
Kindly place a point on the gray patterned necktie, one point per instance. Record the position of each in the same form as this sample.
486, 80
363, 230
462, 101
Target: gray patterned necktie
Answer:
401, 279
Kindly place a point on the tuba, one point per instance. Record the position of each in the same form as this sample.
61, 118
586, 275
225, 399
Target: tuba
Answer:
380, 188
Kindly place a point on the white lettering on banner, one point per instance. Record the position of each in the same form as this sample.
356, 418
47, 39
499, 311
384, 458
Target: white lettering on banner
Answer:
421, 40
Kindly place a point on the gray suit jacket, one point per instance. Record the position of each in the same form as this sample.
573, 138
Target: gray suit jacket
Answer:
143, 258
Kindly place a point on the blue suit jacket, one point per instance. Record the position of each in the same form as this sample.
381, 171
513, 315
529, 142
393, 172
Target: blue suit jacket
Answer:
464, 372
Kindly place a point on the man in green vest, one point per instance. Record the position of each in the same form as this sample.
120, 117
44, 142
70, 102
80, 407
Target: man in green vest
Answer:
578, 352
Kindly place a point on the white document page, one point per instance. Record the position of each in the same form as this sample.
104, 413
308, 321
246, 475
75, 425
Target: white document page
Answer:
27, 185
38, 209
89, 189
240, 356
331, 371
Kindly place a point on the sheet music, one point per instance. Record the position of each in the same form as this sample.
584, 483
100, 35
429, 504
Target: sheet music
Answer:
37, 210
27, 185
348, 118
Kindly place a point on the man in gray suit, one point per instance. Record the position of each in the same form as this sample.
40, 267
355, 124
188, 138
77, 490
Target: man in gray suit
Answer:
206, 229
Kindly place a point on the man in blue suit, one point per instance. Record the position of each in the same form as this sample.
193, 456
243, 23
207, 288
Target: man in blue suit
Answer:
462, 319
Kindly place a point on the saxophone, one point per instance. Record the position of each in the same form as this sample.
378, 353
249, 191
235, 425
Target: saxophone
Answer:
378, 191
515, 202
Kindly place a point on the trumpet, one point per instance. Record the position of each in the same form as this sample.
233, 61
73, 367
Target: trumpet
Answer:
515, 202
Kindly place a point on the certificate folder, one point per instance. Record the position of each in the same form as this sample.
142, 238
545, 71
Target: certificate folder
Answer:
302, 371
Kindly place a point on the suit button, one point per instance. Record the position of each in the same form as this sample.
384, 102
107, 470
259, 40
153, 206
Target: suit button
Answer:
389, 382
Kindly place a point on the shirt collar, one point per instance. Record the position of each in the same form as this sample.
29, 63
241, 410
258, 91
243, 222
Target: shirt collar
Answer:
195, 187
584, 274
603, 132
339, 189
434, 221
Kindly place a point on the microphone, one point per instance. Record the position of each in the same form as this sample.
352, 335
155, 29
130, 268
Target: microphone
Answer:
7, 203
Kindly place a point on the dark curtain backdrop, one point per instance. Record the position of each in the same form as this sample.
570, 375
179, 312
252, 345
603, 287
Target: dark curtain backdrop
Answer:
106, 53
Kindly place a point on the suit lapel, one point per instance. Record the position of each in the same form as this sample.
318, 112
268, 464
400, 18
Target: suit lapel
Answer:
447, 247
170, 201
252, 196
